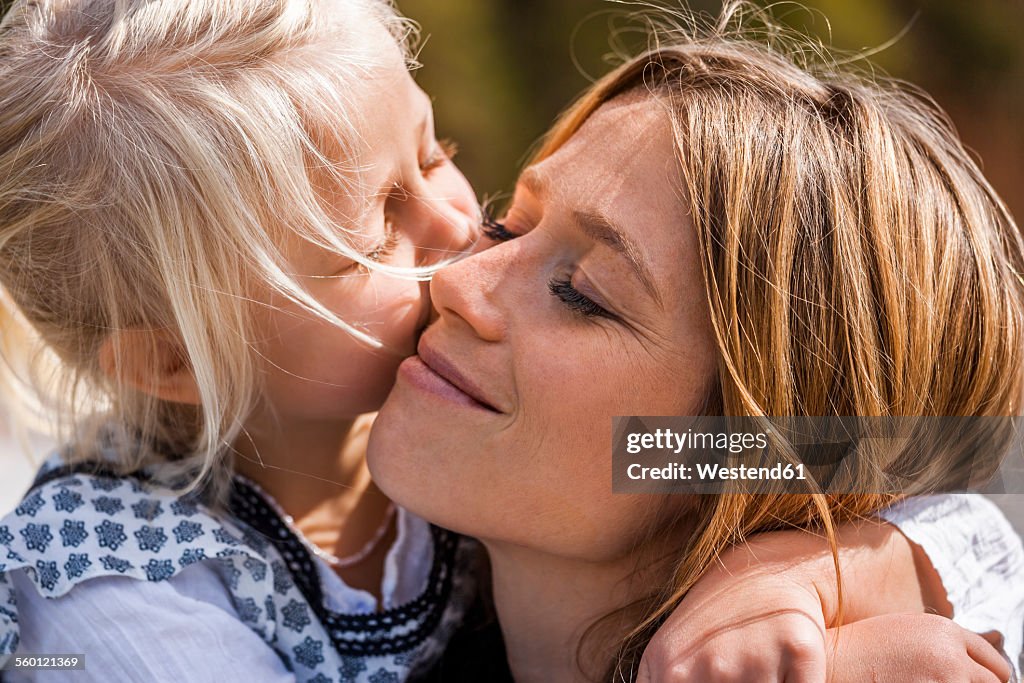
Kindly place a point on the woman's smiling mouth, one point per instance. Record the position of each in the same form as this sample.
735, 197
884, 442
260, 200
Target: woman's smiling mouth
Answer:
435, 374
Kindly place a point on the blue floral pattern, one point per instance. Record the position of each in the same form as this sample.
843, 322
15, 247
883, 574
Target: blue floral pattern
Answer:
141, 531
187, 531
73, 533
37, 536
31, 505
147, 509
191, 556
110, 534
158, 570
309, 652
116, 564
296, 616
108, 505
151, 538
77, 564
47, 574
67, 501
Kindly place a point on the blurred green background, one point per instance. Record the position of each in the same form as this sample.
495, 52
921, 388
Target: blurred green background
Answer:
501, 70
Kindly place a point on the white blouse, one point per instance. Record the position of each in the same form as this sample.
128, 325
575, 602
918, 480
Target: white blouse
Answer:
186, 629
979, 558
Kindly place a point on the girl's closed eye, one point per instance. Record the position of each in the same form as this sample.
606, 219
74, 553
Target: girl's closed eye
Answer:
379, 252
385, 248
443, 152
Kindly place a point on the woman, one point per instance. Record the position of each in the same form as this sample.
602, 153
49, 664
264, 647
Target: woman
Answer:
711, 229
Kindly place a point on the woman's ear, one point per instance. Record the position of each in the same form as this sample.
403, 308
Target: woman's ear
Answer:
151, 361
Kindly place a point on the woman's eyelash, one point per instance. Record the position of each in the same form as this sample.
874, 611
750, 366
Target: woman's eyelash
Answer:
576, 300
443, 152
494, 230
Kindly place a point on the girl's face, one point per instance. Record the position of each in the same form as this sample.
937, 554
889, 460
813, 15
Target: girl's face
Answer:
417, 209
501, 428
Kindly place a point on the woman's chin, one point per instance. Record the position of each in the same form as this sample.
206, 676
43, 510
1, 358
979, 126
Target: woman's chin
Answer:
403, 458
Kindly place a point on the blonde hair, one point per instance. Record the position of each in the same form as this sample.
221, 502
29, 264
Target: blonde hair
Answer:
152, 155
856, 261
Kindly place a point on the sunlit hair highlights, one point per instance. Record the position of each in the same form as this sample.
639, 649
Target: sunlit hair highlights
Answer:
856, 260
153, 155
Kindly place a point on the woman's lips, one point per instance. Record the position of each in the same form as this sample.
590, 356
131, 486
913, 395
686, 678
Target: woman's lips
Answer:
417, 372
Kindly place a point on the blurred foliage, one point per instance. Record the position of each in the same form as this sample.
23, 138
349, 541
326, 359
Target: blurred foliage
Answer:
501, 70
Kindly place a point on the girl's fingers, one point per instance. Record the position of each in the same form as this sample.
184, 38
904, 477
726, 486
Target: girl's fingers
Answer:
804, 666
983, 651
980, 674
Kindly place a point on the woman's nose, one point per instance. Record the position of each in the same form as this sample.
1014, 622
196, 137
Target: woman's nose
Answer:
469, 290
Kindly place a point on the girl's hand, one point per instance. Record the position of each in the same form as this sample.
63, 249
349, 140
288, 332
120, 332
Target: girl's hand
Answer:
771, 629
913, 648
761, 614
787, 648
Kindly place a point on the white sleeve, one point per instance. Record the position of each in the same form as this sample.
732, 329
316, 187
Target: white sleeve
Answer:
978, 556
182, 629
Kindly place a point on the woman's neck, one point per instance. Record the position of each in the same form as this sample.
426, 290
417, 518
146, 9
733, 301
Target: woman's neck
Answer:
317, 474
546, 604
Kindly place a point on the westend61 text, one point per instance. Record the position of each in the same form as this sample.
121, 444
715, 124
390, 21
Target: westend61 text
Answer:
713, 472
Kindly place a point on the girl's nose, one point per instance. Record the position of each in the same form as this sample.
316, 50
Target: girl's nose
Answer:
446, 226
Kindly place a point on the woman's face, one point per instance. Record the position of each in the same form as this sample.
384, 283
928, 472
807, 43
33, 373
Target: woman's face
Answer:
501, 428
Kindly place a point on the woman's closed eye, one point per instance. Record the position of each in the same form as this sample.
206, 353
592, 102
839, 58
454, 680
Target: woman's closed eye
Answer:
577, 301
496, 230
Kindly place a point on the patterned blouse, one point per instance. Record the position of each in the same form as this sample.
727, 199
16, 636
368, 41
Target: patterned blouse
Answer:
82, 524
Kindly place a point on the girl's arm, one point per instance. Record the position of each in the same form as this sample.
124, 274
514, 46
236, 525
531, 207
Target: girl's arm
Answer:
975, 556
773, 598
182, 629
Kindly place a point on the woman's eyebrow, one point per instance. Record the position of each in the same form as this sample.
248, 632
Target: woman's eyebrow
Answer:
598, 227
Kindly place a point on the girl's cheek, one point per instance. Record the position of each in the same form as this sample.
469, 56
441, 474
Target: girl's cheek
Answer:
402, 310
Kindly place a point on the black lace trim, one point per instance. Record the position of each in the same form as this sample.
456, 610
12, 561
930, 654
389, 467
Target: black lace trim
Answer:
382, 633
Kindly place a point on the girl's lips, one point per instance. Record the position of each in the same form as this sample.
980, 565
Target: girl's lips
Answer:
414, 371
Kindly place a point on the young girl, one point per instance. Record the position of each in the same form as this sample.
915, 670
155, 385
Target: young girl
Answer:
218, 217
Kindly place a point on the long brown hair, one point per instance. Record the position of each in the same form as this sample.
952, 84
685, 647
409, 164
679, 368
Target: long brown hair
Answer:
856, 261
